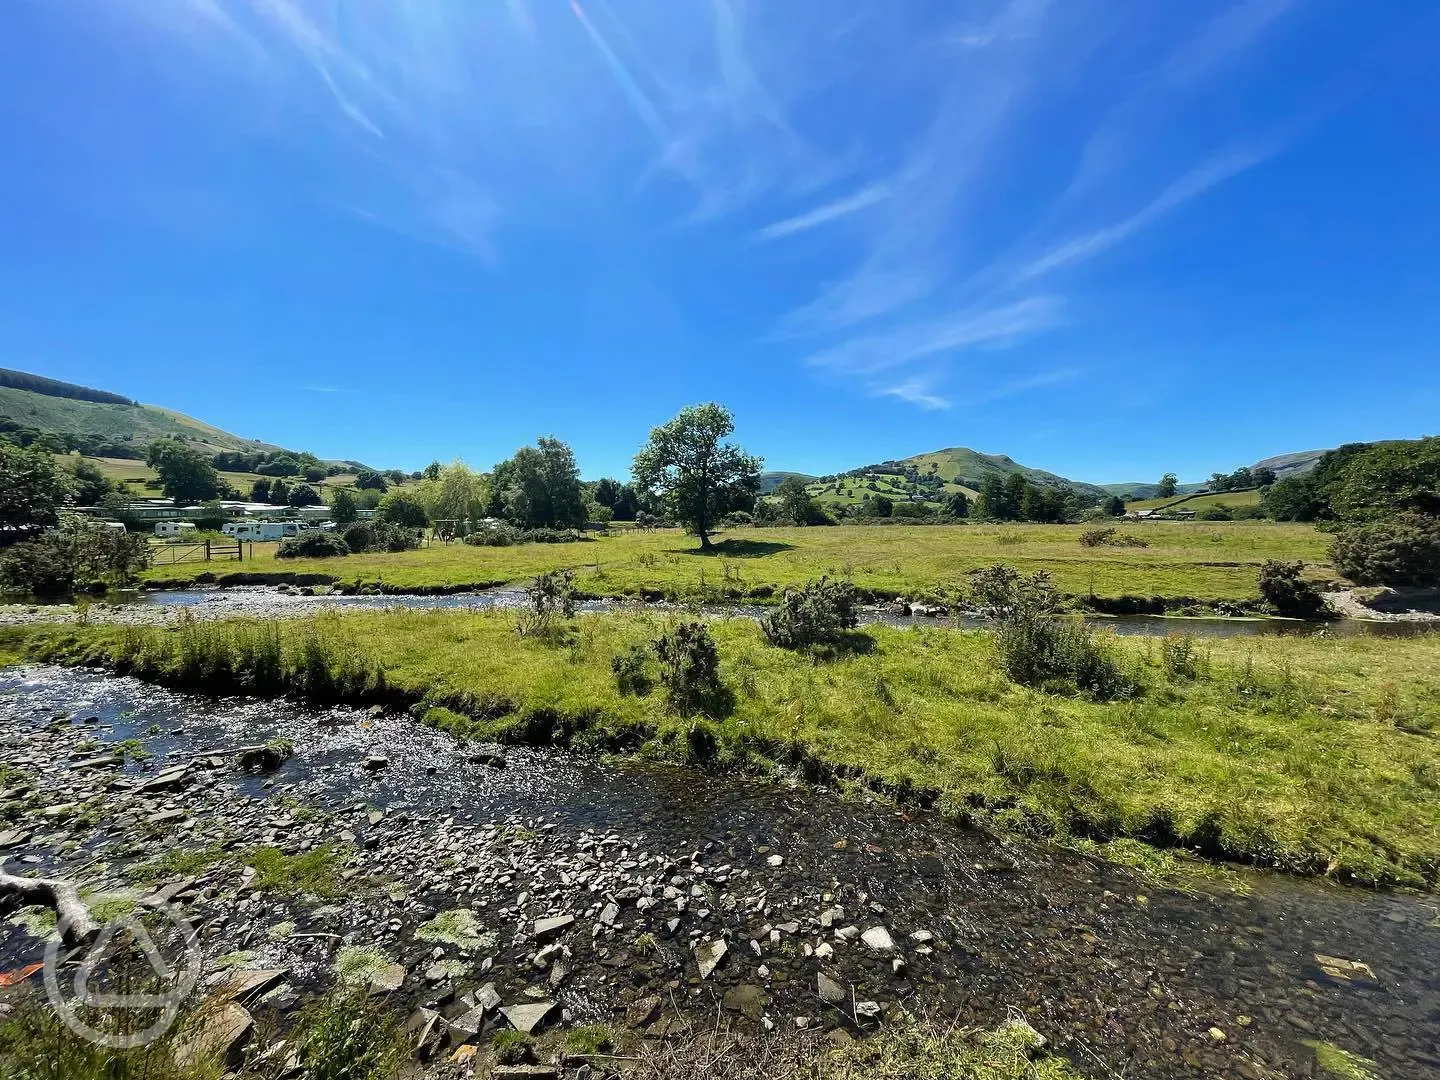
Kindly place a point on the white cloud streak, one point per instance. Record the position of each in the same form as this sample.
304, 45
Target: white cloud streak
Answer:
916, 392
1192, 184
831, 211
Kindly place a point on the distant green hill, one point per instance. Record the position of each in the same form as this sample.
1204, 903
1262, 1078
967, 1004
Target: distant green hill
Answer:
930, 477
769, 481
132, 424
1295, 464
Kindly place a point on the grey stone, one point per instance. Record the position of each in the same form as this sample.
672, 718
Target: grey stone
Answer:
709, 955
546, 928
831, 992
526, 1018
879, 939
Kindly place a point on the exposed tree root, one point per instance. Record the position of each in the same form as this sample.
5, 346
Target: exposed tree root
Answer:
61, 897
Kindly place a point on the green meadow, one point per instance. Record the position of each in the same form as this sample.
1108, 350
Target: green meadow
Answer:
1203, 560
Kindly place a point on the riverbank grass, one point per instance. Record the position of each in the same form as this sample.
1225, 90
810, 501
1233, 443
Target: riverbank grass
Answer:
1206, 561
1317, 755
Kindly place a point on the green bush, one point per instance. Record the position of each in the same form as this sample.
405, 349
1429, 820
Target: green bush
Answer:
690, 670
381, 536
312, 544
631, 668
1037, 645
1288, 593
1179, 657
503, 534
549, 599
1403, 551
815, 614
76, 556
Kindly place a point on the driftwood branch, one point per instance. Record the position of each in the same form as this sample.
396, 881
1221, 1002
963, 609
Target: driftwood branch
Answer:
61, 897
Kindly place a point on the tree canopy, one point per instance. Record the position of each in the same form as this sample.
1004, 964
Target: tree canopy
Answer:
688, 465
32, 491
539, 487
186, 475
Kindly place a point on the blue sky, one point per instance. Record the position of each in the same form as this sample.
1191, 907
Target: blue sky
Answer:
1108, 238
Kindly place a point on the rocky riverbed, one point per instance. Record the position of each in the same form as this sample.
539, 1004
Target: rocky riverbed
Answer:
481, 890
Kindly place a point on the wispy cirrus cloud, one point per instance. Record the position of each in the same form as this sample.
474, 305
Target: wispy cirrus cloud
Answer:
916, 392
1191, 185
924, 289
967, 167
828, 212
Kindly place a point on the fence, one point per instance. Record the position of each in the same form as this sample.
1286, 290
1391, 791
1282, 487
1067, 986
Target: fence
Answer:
204, 551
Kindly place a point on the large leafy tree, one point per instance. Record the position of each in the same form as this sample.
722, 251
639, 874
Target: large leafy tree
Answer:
402, 508
795, 499
700, 477
1169, 484
342, 507
91, 485
455, 492
32, 491
186, 475
539, 487
1389, 479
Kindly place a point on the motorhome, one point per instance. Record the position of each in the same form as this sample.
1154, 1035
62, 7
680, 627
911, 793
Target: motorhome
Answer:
264, 530
172, 530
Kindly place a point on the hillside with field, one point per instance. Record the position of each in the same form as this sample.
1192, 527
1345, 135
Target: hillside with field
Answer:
930, 477
126, 425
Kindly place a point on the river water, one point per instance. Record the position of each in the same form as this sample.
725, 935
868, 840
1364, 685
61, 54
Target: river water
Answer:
267, 602
1120, 974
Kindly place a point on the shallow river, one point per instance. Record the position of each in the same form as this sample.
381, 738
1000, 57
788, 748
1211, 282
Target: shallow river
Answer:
261, 601
1119, 974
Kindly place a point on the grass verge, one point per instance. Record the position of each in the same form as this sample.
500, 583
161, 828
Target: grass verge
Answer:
1207, 561
1314, 755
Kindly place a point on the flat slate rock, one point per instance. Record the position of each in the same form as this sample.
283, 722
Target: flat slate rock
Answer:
220, 1037
526, 1018
709, 955
831, 992
546, 928
245, 985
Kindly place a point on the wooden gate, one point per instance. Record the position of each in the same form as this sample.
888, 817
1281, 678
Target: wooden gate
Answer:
204, 551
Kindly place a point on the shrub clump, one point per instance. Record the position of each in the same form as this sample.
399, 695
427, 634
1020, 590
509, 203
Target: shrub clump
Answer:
1288, 593
505, 535
632, 671
74, 557
1179, 657
550, 598
1402, 551
1038, 646
1111, 538
313, 544
815, 614
690, 669
381, 536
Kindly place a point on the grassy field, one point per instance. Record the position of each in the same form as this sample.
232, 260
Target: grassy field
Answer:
1200, 502
1312, 754
1210, 561
134, 474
